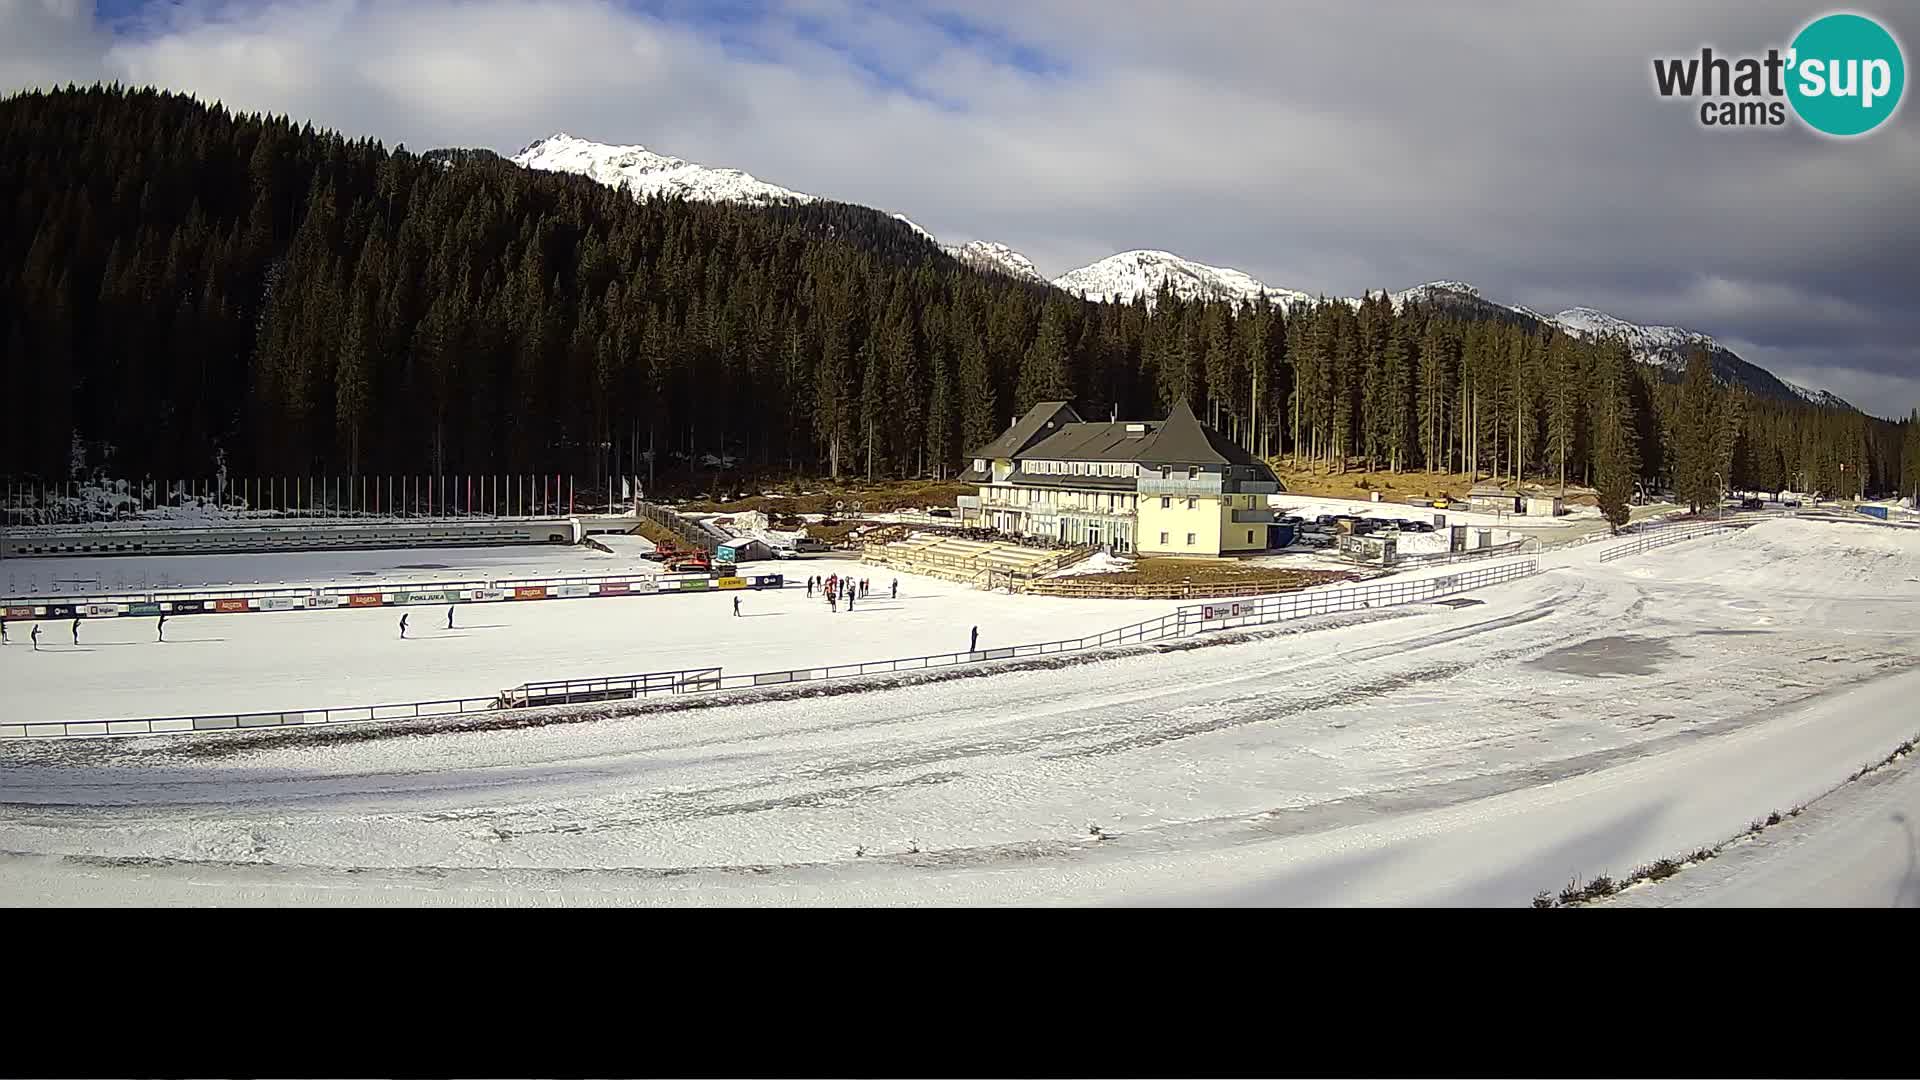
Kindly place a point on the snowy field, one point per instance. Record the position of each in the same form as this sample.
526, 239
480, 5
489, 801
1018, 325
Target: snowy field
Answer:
44, 576
261, 661
1582, 721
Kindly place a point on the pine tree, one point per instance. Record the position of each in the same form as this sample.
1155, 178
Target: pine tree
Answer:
1615, 461
1910, 460
1697, 436
1043, 374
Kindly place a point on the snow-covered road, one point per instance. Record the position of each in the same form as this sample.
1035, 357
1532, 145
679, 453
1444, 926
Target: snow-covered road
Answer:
1585, 720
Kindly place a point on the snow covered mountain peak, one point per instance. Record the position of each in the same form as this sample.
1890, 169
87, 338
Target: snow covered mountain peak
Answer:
997, 257
1666, 345
1142, 272
645, 173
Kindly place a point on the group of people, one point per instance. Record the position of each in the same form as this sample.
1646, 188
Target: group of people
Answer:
836, 588
5, 640
403, 622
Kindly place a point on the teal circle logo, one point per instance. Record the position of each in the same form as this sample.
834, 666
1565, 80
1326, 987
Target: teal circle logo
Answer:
1846, 74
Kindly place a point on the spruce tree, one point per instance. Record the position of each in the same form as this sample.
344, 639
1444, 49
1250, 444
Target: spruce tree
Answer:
1614, 458
1043, 374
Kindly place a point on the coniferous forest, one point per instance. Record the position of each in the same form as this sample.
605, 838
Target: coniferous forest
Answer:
181, 286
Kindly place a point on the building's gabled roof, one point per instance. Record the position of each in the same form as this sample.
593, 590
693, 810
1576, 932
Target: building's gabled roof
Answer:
1052, 431
1041, 421
1184, 440
1093, 442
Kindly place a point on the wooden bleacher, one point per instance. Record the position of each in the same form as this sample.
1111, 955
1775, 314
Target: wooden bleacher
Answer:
972, 562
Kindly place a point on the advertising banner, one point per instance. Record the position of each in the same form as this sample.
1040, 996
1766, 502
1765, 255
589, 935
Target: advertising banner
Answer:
769, 581
279, 603
530, 592
571, 590
229, 605
27, 612
488, 594
59, 611
439, 597
364, 599
613, 588
724, 553
188, 607
326, 600
695, 585
103, 609
143, 609
730, 583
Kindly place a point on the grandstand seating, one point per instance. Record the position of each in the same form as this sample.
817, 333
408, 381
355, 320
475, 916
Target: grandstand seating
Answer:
969, 561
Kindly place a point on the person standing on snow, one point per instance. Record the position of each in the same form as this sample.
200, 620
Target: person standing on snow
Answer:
160, 628
76, 629
896, 590
973, 644
449, 616
833, 604
3, 628
403, 628
849, 600
36, 637
736, 607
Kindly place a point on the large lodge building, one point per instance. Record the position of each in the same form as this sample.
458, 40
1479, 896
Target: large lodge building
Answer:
1162, 487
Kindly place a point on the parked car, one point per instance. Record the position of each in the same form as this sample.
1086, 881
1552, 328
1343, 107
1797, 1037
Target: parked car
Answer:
1791, 504
807, 545
1751, 503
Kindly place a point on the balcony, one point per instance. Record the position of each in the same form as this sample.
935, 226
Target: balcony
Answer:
1256, 487
1207, 484
1253, 517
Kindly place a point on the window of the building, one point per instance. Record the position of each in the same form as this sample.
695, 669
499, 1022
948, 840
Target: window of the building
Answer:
1193, 472
1166, 472
1163, 538
1166, 502
1249, 536
1189, 539
1192, 502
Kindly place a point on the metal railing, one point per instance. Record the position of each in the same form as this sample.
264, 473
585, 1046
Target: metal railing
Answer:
1669, 534
1188, 619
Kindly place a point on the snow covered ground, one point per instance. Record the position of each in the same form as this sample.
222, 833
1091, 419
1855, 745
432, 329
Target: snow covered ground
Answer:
260, 661
45, 576
1584, 720
1858, 846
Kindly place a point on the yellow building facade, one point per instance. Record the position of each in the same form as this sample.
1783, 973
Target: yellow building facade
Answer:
1172, 487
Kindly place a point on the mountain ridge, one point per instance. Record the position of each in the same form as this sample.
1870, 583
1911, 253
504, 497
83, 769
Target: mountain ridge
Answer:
1140, 272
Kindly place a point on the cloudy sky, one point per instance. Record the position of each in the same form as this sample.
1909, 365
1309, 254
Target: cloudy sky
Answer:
1322, 146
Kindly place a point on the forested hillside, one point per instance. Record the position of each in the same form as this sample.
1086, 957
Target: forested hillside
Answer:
183, 286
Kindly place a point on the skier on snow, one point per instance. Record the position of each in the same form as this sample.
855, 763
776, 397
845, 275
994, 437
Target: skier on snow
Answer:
403, 628
736, 607
449, 616
36, 637
76, 630
160, 628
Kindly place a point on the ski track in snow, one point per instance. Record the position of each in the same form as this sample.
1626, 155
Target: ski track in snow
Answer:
1582, 721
